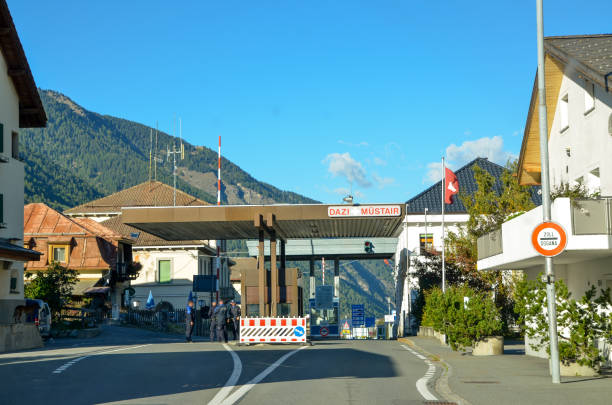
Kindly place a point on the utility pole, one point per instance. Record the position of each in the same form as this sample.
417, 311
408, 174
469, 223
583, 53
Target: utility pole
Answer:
545, 180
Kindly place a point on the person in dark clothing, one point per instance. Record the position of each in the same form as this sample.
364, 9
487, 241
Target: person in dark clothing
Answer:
211, 316
189, 321
221, 322
235, 313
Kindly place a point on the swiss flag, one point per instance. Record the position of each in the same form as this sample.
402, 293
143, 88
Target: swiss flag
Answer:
451, 186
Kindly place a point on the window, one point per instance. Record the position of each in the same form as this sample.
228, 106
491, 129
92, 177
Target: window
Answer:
164, 271
426, 242
1, 138
58, 253
14, 282
564, 113
283, 309
15, 145
252, 310
589, 97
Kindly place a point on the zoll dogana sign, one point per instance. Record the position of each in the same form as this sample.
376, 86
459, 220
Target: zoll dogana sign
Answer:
549, 239
364, 211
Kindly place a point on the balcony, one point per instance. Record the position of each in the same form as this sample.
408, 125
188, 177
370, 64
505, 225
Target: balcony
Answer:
588, 224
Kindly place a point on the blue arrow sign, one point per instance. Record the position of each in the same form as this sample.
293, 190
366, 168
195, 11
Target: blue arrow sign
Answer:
299, 331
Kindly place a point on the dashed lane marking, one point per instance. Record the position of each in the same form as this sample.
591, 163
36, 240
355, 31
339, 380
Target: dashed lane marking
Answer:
64, 366
421, 384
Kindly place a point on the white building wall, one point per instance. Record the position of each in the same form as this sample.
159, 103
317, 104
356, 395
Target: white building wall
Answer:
11, 184
409, 241
586, 139
184, 265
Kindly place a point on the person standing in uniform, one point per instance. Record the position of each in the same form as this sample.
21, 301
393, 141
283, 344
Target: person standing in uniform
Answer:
211, 316
221, 322
189, 321
235, 313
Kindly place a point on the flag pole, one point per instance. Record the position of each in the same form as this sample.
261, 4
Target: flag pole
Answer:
443, 236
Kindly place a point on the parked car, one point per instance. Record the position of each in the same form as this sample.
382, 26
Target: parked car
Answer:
42, 317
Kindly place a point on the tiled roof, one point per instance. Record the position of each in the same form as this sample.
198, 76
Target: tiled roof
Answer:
145, 239
147, 194
593, 52
432, 197
9, 250
92, 246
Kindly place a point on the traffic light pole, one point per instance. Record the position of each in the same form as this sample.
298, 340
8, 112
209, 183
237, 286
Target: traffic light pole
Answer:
546, 212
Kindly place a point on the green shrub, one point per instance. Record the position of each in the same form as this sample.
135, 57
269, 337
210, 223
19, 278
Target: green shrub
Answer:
580, 324
463, 323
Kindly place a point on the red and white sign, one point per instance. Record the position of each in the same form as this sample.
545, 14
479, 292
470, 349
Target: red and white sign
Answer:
364, 211
549, 239
452, 185
324, 331
273, 330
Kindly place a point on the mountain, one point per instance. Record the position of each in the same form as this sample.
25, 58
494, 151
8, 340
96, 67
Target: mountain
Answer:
100, 154
82, 155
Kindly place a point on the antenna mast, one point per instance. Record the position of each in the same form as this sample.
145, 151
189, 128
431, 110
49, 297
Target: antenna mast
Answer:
150, 156
180, 151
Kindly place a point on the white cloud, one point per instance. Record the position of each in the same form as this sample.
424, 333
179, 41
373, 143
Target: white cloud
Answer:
382, 182
342, 164
380, 162
457, 156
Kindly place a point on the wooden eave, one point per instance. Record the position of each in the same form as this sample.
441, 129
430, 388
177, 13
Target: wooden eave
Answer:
31, 111
529, 172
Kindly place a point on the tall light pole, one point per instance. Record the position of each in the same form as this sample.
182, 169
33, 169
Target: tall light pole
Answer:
545, 180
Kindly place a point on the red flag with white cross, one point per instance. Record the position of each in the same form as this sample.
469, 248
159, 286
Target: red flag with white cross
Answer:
451, 185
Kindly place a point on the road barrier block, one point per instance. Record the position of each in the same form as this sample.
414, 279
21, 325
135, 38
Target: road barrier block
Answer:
273, 330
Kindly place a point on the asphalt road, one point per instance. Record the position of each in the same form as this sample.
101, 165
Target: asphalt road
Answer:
130, 366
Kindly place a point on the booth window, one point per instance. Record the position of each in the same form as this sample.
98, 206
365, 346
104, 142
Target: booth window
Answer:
426, 242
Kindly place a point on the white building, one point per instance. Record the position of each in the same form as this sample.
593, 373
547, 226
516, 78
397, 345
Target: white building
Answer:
20, 107
579, 102
422, 231
168, 267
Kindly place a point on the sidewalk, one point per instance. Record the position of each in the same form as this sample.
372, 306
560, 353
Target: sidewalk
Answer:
513, 378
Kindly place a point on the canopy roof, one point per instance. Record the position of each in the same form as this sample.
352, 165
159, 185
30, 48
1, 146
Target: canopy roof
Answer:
299, 221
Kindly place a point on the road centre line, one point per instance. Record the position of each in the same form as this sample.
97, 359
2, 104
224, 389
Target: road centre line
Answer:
231, 381
421, 384
64, 366
235, 397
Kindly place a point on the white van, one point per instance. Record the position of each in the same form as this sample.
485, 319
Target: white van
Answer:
42, 318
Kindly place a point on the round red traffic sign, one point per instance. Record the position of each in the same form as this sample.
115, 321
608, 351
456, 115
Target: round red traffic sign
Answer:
549, 239
324, 331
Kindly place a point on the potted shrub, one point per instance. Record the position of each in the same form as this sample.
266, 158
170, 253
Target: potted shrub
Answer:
580, 324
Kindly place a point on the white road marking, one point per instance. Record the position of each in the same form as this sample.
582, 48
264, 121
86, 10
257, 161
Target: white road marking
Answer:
421, 384
231, 381
63, 367
235, 397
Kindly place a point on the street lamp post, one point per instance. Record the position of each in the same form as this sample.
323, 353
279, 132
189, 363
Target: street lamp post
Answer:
546, 212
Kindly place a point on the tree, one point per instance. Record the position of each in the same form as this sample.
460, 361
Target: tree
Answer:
53, 286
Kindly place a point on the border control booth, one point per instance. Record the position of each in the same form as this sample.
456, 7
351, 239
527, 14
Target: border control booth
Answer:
300, 232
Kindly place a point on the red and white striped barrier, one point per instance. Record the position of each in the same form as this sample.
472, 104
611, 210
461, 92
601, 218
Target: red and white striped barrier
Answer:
273, 330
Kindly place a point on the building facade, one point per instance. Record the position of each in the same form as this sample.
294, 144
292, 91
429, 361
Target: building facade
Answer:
168, 267
422, 232
579, 103
101, 256
20, 107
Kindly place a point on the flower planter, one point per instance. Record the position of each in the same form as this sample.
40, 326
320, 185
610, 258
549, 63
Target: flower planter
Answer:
489, 346
575, 369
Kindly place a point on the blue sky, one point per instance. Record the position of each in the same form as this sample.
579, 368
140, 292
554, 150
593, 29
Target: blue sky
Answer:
309, 96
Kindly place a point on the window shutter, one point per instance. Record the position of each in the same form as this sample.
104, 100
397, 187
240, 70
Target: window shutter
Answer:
164, 271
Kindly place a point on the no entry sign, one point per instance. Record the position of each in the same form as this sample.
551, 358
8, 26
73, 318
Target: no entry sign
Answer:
549, 239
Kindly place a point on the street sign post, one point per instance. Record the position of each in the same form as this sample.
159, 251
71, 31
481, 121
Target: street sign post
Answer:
549, 239
357, 315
